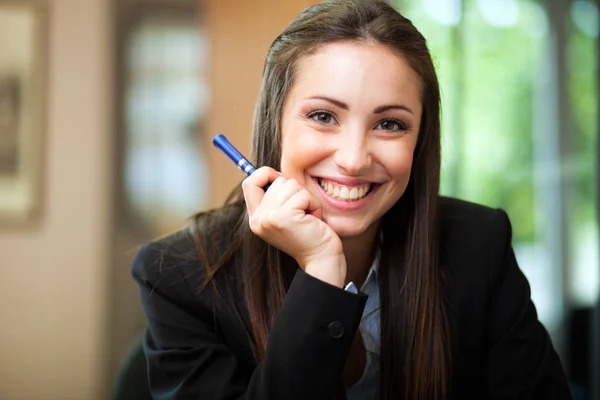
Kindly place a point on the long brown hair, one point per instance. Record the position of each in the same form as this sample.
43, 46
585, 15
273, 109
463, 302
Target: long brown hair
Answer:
415, 335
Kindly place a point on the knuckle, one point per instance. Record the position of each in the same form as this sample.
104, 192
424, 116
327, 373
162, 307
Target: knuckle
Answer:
275, 220
250, 180
255, 225
271, 220
265, 222
293, 183
245, 184
262, 171
279, 180
302, 192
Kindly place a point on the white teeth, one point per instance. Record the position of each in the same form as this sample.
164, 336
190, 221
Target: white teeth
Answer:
345, 193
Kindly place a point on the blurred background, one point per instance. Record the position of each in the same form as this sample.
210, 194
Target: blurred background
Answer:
108, 107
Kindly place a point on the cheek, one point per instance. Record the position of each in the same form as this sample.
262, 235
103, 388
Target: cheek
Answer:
399, 162
298, 153
292, 164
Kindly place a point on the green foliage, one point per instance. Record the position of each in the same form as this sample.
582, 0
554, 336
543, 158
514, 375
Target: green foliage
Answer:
583, 103
488, 74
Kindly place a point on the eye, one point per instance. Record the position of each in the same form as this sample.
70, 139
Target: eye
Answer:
322, 117
391, 125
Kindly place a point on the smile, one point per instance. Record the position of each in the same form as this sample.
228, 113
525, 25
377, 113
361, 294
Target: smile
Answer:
344, 192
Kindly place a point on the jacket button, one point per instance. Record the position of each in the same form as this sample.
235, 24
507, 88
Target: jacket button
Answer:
336, 329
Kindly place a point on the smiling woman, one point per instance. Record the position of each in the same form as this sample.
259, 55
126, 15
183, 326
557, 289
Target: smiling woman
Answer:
259, 299
347, 127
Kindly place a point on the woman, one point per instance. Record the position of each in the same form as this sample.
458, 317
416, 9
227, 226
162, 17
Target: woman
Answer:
259, 299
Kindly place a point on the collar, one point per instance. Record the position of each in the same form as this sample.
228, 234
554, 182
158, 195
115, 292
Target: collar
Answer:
373, 271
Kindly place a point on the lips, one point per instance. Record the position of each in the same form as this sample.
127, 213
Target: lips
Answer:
345, 192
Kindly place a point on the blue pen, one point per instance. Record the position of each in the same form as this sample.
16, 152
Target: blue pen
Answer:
234, 155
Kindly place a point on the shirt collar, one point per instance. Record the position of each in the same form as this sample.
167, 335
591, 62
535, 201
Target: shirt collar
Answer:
373, 271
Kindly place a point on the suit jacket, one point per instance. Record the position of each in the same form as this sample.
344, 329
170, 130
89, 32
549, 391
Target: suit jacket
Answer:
197, 346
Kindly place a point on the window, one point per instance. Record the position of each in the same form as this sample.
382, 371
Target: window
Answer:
166, 98
519, 93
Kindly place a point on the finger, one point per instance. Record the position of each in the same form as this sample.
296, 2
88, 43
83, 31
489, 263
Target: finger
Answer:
252, 186
271, 199
304, 200
280, 192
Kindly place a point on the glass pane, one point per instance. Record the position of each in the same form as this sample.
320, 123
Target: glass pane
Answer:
487, 57
583, 99
583, 273
166, 177
519, 133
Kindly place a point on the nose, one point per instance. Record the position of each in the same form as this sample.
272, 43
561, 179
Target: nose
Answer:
353, 156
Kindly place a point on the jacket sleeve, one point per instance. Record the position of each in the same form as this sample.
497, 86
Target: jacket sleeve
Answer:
522, 363
188, 358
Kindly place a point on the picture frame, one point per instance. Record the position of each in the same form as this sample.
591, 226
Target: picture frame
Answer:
23, 76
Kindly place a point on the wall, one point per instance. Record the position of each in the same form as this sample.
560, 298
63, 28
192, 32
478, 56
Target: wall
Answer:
63, 282
241, 32
52, 276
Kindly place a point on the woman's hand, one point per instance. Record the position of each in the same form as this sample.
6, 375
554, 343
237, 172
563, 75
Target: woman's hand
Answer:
288, 217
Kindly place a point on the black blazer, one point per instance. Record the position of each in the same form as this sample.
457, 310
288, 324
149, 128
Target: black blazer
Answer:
197, 347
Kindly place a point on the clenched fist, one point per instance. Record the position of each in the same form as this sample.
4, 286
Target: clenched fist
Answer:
288, 217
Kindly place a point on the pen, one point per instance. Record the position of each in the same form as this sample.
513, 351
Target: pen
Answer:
221, 142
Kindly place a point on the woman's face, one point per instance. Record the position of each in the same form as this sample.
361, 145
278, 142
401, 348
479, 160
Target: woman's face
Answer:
349, 129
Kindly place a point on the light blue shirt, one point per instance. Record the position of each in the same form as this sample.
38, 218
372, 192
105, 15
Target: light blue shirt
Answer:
367, 387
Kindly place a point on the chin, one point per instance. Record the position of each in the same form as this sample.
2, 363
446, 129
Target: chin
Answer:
347, 228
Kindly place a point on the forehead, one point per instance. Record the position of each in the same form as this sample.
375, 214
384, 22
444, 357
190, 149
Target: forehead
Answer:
357, 70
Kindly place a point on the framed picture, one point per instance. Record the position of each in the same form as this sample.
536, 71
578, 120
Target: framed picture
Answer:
23, 35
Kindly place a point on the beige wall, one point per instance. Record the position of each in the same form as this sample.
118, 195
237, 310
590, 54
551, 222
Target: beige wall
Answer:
52, 277
241, 32
60, 285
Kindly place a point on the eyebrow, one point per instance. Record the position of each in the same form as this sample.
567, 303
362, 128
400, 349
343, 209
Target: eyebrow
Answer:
378, 110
